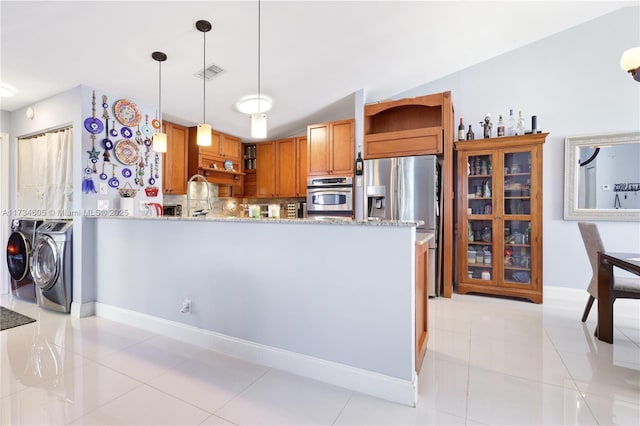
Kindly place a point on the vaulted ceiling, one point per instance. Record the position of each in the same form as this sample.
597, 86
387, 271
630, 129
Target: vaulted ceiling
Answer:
314, 54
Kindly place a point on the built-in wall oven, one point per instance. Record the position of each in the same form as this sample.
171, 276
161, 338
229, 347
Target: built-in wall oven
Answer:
330, 196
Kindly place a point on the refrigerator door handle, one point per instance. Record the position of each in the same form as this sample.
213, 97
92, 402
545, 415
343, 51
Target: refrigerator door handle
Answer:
392, 190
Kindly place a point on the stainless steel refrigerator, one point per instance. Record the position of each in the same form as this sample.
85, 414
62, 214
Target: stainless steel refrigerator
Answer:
406, 189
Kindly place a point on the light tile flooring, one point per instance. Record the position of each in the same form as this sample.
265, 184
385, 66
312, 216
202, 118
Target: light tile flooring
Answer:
489, 361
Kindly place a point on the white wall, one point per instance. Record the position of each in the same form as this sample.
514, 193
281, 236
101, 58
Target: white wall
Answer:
342, 293
573, 82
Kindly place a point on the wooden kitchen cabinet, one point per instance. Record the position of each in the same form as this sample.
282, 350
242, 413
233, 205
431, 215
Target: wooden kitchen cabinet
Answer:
411, 126
230, 147
266, 169
422, 300
174, 161
286, 167
500, 216
209, 161
281, 168
330, 148
301, 166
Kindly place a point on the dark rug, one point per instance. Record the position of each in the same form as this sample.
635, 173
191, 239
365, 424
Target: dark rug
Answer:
10, 319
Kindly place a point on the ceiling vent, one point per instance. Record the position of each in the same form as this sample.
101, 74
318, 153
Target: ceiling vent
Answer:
210, 72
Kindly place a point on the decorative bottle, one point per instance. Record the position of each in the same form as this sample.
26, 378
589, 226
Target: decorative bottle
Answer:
500, 126
359, 164
520, 126
511, 124
470, 135
461, 135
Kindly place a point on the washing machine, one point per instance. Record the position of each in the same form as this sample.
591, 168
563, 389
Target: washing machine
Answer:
19, 249
52, 265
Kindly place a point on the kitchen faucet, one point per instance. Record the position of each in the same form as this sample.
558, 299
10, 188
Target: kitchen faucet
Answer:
199, 212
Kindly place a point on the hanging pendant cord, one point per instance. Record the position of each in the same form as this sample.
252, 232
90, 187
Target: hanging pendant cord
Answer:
259, 30
160, 92
204, 76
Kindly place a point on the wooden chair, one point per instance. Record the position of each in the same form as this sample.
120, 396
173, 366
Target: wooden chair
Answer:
623, 287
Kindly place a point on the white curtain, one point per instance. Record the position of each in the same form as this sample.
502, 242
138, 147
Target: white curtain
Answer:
45, 173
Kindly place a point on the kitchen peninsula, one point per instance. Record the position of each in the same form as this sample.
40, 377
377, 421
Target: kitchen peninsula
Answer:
330, 300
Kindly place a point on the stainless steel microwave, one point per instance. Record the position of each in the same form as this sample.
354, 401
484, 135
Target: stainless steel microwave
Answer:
172, 209
330, 195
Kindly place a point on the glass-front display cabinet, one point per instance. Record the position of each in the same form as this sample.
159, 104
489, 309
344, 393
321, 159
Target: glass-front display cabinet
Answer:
499, 216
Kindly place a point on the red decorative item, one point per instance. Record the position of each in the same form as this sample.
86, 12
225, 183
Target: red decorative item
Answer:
151, 191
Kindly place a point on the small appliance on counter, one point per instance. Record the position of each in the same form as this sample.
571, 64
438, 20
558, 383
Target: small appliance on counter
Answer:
172, 210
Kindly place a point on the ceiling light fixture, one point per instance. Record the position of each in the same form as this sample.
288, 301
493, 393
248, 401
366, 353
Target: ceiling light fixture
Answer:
254, 103
203, 137
160, 138
630, 62
258, 117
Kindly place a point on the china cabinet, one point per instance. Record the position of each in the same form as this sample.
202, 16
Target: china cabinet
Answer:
500, 216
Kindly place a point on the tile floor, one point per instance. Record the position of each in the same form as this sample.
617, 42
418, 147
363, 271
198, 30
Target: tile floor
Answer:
489, 361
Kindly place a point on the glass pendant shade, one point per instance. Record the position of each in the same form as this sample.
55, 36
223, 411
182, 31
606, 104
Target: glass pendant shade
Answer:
259, 126
160, 142
203, 136
630, 62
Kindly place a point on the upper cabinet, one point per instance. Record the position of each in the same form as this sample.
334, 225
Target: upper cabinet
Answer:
330, 148
412, 126
174, 161
281, 168
220, 163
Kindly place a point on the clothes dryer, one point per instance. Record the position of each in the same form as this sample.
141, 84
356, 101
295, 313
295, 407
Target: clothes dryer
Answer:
19, 250
52, 265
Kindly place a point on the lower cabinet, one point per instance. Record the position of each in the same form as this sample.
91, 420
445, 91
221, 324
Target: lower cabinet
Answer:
422, 298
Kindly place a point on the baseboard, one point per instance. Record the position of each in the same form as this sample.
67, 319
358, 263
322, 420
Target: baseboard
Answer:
80, 310
360, 380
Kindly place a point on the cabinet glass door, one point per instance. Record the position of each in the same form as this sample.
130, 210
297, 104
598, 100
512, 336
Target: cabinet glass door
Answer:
517, 218
480, 206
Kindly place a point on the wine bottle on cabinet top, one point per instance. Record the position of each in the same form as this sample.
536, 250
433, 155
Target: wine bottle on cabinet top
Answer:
500, 126
511, 124
470, 135
520, 126
461, 135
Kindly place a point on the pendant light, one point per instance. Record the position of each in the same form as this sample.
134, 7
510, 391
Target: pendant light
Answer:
160, 138
203, 137
259, 118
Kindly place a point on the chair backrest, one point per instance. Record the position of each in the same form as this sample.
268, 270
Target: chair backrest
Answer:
593, 244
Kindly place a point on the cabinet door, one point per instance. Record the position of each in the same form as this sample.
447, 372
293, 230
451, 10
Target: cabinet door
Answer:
230, 147
481, 249
266, 169
174, 161
318, 150
301, 166
342, 147
212, 150
286, 167
517, 207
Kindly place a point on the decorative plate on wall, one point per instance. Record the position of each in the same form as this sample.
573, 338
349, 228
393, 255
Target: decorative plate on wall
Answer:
127, 112
127, 152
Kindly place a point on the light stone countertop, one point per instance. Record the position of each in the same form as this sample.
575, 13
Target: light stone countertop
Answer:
423, 238
308, 221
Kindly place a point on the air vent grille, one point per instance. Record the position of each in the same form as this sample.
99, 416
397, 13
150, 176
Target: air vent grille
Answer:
210, 72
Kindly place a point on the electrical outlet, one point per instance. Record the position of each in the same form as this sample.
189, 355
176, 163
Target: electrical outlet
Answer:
104, 188
186, 306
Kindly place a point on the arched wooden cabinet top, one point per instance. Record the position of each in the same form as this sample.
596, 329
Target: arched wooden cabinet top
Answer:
411, 126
